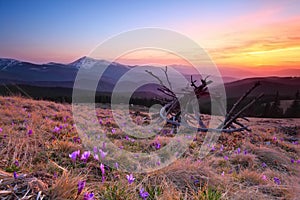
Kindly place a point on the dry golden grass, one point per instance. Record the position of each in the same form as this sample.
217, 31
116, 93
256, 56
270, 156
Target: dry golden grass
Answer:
250, 178
242, 161
274, 159
65, 187
44, 157
186, 175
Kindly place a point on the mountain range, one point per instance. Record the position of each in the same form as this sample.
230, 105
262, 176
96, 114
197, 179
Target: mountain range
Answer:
58, 75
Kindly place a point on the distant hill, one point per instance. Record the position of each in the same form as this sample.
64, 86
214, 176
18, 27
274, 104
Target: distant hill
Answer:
286, 86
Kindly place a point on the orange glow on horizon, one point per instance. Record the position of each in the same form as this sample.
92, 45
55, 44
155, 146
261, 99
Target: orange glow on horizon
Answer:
269, 44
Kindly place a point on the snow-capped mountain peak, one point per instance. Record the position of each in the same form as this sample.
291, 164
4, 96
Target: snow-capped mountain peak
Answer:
87, 63
7, 62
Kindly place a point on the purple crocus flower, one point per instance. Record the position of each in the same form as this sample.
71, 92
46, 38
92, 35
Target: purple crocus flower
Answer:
298, 161
76, 139
130, 178
74, 155
213, 148
277, 180
96, 157
102, 169
117, 165
113, 130
264, 165
196, 181
56, 129
225, 157
1, 130
144, 194
95, 149
102, 153
17, 163
15, 175
85, 156
222, 148
29, 132
81, 185
292, 161
238, 151
157, 145
264, 177
245, 152
88, 196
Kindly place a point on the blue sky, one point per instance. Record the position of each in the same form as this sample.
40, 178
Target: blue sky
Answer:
63, 30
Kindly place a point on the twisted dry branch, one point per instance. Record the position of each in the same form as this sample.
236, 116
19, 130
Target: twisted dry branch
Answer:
171, 112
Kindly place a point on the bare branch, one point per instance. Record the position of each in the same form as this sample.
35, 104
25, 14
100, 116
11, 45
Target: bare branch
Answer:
166, 74
156, 77
240, 100
241, 111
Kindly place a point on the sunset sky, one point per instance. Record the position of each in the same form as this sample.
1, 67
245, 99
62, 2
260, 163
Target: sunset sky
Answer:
244, 34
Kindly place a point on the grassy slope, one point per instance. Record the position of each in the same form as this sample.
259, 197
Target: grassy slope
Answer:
44, 167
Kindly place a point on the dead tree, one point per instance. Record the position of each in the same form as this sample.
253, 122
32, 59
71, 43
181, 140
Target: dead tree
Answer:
172, 114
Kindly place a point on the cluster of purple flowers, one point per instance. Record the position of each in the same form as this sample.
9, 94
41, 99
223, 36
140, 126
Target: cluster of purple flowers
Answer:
76, 139
276, 179
86, 154
295, 161
129, 139
87, 195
